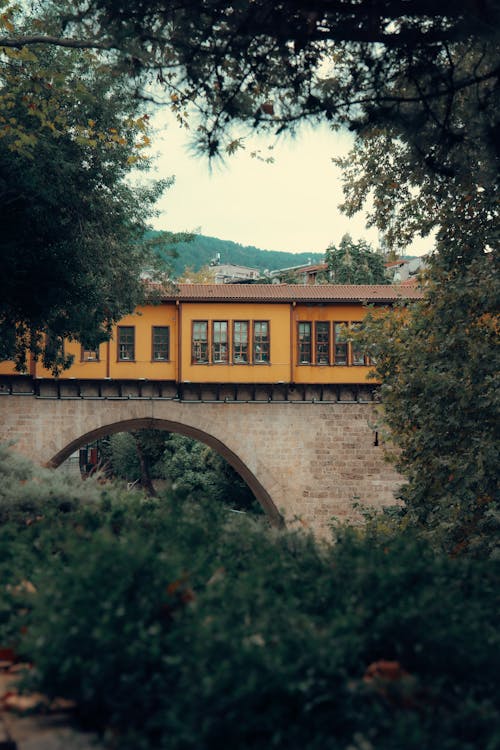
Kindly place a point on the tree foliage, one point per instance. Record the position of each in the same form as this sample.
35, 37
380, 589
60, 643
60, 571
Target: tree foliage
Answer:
183, 626
439, 364
119, 457
72, 240
418, 67
196, 471
355, 263
404, 198
192, 470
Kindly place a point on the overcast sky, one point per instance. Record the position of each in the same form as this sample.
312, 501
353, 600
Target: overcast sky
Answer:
291, 205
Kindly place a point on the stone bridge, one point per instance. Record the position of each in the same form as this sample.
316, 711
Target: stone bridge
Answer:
304, 458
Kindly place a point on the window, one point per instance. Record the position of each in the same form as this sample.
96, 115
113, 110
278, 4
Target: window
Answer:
126, 343
219, 342
357, 352
161, 343
89, 355
199, 351
304, 343
240, 342
322, 343
261, 344
341, 346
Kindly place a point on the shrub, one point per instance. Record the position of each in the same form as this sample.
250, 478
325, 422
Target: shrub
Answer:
208, 633
181, 626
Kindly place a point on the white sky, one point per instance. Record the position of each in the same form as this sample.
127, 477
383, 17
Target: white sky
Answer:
291, 205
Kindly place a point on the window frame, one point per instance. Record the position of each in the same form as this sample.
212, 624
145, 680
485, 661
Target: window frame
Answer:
256, 343
120, 330
336, 343
357, 325
301, 361
317, 344
194, 360
83, 351
154, 329
214, 343
237, 346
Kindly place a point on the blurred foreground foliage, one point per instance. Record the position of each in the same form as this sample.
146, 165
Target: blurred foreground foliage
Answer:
176, 624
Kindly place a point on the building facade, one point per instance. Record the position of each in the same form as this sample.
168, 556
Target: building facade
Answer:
208, 333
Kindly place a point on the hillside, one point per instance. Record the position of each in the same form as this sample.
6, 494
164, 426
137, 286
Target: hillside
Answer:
202, 249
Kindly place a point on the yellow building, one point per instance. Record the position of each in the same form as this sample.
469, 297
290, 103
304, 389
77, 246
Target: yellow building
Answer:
236, 333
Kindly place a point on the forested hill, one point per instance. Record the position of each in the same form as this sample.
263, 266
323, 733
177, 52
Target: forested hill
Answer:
202, 249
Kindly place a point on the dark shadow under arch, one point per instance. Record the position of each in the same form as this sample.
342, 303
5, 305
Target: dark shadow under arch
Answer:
149, 423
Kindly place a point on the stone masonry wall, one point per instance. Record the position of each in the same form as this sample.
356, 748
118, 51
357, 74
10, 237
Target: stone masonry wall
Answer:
304, 461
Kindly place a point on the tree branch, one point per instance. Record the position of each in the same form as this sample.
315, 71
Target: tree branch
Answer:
56, 41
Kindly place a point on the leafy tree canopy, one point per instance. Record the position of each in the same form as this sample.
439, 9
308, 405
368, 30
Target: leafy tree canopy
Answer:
439, 365
439, 362
355, 263
192, 469
72, 243
405, 199
420, 67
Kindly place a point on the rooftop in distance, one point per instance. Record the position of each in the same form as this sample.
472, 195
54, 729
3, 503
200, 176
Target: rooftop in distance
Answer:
292, 293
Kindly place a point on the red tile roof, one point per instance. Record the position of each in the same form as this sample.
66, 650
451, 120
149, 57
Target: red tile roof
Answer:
292, 293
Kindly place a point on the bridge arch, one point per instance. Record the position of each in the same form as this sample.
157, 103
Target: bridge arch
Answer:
142, 423
311, 460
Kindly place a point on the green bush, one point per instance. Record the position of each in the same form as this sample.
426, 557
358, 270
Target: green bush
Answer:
251, 640
180, 626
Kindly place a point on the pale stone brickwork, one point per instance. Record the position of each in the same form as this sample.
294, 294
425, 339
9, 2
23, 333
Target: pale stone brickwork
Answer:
303, 461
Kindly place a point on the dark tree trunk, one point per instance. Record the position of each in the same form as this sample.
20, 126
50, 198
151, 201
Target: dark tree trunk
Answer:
146, 480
